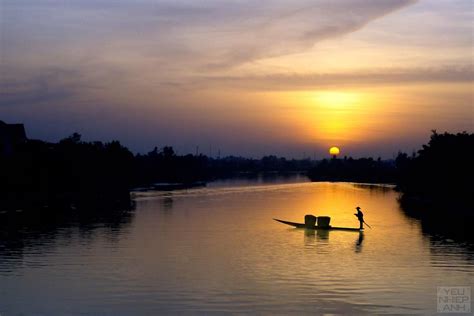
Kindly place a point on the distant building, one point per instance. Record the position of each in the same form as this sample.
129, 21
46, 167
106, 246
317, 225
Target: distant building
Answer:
11, 135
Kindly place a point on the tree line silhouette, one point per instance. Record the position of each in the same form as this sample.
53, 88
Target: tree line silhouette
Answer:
77, 174
440, 174
366, 170
73, 173
165, 165
70, 173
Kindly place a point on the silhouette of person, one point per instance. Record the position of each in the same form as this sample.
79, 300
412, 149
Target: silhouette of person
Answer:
360, 217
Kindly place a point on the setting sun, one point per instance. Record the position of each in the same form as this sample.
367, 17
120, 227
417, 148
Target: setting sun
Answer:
334, 151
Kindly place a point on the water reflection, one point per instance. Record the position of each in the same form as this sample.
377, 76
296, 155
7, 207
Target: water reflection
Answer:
322, 235
217, 250
360, 240
260, 179
41, 231
447, 232
375, 187
314, 238
167, 203
438, 220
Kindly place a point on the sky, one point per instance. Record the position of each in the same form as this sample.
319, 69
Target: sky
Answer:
250, 78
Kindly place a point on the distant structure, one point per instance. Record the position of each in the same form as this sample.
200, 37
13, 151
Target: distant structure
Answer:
11, 135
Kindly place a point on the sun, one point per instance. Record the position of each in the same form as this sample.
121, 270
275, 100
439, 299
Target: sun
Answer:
334, 151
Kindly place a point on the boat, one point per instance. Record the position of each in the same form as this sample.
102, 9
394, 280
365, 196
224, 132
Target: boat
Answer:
165, 186
316, 227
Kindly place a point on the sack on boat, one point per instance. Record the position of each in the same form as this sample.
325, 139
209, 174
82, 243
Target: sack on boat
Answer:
323, 221
310, 221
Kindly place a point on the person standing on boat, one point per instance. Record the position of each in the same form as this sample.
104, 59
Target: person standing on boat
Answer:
360, 217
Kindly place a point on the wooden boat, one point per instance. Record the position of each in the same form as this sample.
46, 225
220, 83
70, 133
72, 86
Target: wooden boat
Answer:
299, 225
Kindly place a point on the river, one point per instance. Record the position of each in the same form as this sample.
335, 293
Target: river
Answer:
217, 250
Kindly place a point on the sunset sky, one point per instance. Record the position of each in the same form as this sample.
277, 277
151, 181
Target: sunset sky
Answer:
247, 77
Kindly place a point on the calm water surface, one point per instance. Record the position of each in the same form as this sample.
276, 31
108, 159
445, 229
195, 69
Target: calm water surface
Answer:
217, 249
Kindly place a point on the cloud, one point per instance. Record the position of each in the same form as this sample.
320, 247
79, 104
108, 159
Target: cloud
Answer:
453, 74
278, 28
46, 86
209, 35
68, 48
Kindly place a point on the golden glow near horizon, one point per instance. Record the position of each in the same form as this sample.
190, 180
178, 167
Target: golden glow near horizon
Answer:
334, 151
337, 100
335, 114
332, 116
